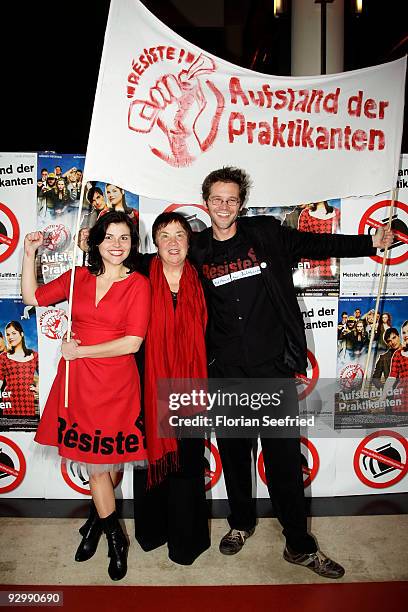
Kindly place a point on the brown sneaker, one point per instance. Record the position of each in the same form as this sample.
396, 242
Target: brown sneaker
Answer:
234, 540
317, 562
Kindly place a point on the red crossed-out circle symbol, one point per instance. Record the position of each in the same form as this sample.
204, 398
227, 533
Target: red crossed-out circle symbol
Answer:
372, 219
77, 478
10, 241
309, 473
214, 469
12, 465
374, 459
195, 214
308, 384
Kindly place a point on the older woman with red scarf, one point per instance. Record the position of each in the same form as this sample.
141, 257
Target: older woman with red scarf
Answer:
169, 498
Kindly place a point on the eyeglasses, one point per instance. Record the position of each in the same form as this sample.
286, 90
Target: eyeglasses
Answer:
231, 202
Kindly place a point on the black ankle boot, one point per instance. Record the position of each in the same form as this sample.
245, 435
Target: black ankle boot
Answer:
118, 547
91, 532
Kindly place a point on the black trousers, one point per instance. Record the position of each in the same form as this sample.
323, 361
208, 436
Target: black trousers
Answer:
283, 471
175, 511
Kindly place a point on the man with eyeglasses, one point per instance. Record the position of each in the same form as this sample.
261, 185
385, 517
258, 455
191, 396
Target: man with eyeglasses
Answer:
256, 330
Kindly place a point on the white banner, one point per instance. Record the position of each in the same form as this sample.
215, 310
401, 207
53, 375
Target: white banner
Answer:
167, 113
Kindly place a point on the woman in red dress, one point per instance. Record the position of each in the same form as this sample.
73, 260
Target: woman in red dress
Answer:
100, 428
17, 368
320, 218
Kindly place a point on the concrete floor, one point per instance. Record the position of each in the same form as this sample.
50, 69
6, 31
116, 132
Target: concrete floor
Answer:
41, 551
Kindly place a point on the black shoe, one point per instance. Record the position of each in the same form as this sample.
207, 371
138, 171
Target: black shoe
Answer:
317, 562
118, 547
118, 550
234, 540
91, 532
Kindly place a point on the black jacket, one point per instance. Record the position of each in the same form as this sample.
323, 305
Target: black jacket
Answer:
278, 248
383, 366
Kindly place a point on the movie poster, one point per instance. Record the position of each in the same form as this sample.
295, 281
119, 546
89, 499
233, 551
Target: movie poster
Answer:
363, 216
19, 371
371, 405
320, 322
17, 215
59, 184
310, 276
99, 198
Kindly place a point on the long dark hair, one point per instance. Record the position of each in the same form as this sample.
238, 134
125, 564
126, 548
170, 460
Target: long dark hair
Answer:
124, 203
405, 323
97, 235
17, 326
328, 208
362, 333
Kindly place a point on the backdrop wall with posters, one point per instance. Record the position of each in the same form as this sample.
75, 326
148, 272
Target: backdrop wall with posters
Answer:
366, 451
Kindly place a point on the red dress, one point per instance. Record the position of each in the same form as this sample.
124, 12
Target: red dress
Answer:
309, 223
102, 422
19, 377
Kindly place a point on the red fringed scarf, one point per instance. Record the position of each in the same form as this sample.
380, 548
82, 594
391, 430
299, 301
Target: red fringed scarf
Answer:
175, 348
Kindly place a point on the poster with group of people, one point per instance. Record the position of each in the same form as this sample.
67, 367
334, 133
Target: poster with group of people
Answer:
382, 401
357, 319
59, 185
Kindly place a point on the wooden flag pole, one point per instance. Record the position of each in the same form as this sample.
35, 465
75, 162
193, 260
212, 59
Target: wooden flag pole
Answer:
379, 293
71, 286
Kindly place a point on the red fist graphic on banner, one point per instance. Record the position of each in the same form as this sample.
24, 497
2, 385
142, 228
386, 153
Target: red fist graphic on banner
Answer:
176, 104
